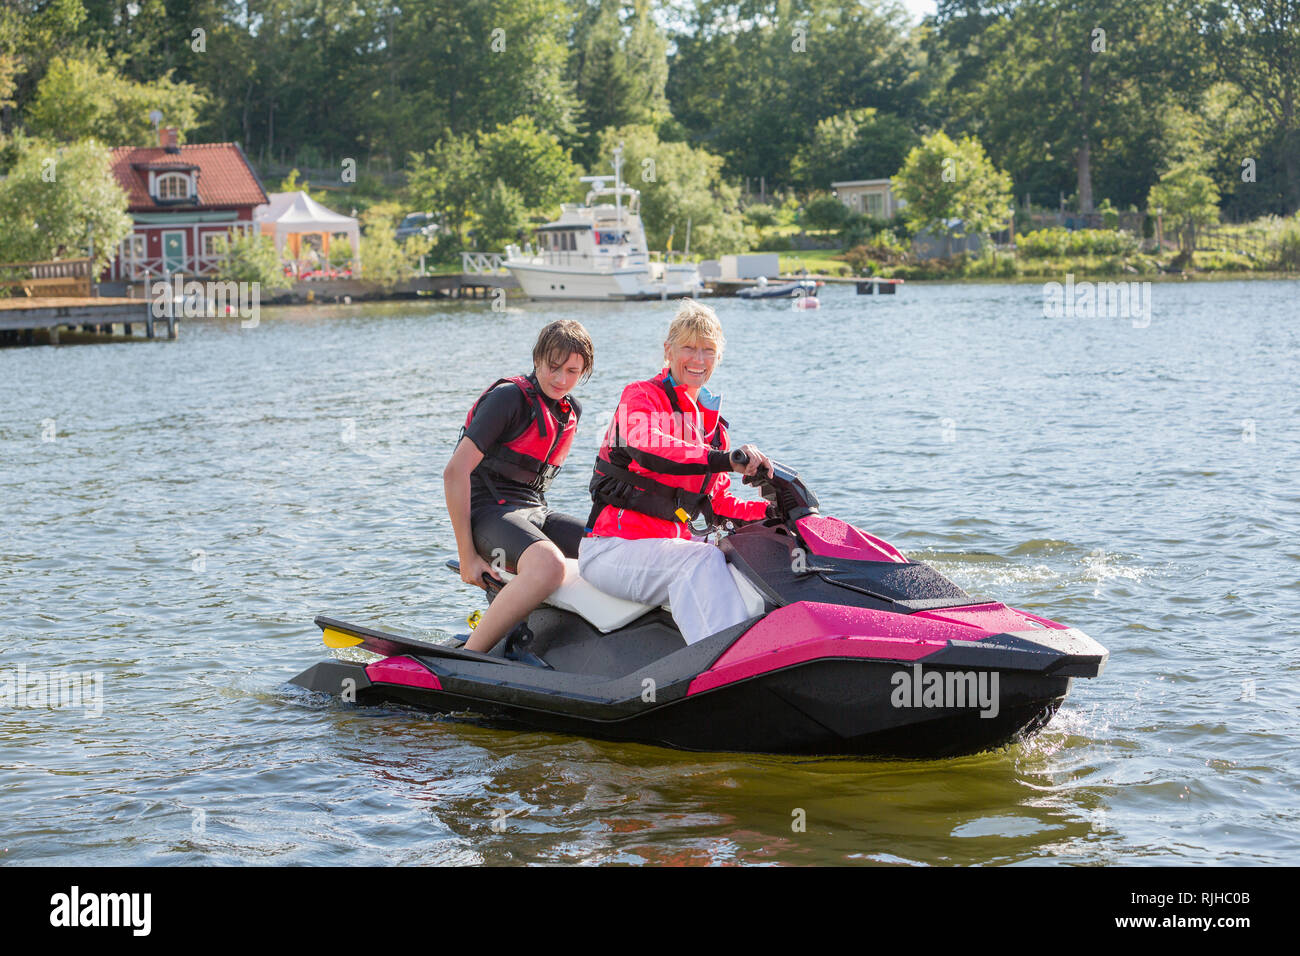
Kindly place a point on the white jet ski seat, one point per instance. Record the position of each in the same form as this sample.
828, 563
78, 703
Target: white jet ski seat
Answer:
607, 613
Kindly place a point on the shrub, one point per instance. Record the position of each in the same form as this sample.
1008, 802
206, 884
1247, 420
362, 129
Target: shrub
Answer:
251, 257
1288, 246
824, 212
861, 228
991, 265
1058, 241
340, 251
1109, 214
1223, 261
772, 243
866, 257
760, 215
1042, 243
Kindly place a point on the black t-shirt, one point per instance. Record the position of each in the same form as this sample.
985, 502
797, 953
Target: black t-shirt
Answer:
502, 415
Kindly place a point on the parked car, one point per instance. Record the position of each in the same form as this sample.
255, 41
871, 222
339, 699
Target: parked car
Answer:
417, 224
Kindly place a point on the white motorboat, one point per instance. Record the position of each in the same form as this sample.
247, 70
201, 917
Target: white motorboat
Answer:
597, 250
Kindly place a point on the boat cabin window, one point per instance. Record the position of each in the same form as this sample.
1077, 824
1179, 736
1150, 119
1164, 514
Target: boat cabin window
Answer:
563, 240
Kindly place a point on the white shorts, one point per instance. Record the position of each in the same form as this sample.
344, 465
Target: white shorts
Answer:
691, 576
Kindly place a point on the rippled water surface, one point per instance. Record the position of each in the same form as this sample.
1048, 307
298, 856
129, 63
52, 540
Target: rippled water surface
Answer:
173, 515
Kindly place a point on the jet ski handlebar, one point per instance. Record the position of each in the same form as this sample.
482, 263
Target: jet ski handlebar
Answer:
783, 489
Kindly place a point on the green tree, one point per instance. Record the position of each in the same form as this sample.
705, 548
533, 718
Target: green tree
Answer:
449, 66
1256, 45
501, 216
1188, 197
32, 33
251, 257
57, 199
619, 71
79, 99
680, 184
383, 258
942, 180
855, 144
446, 180
1067, 92
531, 161
751, 78
458, 177
292, 183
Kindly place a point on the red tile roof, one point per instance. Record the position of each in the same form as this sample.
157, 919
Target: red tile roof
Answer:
225, 177
169, 163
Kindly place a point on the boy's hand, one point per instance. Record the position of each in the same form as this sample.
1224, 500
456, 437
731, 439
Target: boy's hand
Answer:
472, 569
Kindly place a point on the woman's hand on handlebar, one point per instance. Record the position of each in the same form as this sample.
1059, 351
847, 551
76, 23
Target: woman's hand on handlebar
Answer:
472, 569
748, 460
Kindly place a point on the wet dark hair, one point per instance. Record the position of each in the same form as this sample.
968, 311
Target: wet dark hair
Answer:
562, 339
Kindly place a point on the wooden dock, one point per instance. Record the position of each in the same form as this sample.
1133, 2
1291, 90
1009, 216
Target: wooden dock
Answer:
21, 319
866, 285
440, 285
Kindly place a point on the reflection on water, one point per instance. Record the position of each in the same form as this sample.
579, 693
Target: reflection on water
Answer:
202, 500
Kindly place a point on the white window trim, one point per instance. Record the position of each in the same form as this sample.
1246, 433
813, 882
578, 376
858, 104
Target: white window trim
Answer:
156, 180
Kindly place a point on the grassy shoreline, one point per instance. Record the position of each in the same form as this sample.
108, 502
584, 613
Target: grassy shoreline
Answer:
1006, 267
1108, 277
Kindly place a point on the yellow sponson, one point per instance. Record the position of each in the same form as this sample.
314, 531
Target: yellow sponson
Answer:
333, 638
683, 516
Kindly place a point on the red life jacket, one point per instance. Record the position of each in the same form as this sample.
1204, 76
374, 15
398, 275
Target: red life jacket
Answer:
652, 474
532, 456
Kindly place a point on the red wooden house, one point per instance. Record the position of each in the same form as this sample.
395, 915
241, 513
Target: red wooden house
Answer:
182, 199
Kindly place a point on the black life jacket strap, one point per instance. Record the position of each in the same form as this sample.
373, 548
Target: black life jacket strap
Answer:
615, 486
539, 410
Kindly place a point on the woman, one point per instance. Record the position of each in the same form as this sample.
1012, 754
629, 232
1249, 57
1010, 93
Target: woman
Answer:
516, 437
663, 462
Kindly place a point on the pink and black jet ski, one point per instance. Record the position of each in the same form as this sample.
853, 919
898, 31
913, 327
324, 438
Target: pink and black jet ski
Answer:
851, 649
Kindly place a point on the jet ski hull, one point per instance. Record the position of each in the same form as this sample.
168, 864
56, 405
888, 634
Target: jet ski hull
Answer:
832, 703
853, 649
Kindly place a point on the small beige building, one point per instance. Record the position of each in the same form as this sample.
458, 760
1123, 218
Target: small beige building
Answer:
874, 197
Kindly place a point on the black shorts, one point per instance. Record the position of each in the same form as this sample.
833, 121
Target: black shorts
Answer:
514, 528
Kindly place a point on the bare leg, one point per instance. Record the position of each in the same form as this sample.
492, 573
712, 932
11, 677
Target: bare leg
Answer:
541, 571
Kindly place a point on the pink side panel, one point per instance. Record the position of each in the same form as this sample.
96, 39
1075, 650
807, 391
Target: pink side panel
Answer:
837, 539
404, 671
1044, 621
808, 630
992, 618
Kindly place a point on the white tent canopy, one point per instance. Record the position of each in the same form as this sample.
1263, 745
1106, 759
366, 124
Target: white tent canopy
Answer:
294, 214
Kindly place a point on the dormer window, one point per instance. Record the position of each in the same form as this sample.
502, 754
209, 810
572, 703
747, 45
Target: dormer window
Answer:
173, 186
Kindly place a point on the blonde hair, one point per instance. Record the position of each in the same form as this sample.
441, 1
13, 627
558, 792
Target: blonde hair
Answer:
695, 321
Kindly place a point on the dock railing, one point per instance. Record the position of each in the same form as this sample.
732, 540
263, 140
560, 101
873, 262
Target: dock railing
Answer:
47, 279
481, 263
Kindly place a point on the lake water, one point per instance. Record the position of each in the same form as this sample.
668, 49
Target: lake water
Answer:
173, 515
